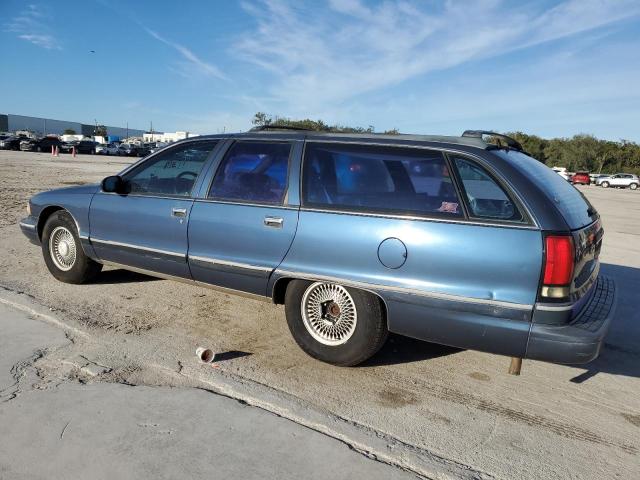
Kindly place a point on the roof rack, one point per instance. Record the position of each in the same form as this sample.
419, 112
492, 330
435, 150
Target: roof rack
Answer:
262, 128
510, 142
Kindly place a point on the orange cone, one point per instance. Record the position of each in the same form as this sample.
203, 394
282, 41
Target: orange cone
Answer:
53, 152
73, 151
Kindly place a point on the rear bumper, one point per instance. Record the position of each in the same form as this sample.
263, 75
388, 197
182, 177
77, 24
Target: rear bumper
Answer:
29, 227
579, 341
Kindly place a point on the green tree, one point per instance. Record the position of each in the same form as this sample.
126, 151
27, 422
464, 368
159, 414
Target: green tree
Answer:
100, 131
69, 131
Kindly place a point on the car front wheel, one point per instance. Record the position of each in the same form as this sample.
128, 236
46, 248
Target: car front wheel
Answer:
604, 184
63, 252
338, 325
633, 186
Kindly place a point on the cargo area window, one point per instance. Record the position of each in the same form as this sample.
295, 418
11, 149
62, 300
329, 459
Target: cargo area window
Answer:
172, 172
485, 196
254, 172
378, 179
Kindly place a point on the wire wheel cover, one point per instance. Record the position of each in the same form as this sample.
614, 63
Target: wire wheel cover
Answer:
329, 313
62, 248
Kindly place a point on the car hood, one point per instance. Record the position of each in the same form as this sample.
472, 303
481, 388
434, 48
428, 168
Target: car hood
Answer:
79, 189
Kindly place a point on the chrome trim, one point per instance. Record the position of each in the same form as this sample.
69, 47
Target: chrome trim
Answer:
188, 281
424, 218
244, 204
137, 247
186, 198
27, 225
553, 308
405, 290
228, 263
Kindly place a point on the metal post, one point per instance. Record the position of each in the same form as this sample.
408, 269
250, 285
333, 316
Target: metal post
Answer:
516, 366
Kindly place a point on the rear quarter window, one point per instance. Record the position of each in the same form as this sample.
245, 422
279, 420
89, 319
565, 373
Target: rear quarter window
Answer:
573, 206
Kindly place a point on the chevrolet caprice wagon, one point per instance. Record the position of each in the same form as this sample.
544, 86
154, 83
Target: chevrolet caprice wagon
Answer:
451, 240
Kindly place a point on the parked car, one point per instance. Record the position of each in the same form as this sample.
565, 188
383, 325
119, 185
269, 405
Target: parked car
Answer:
157, 146
562, 172
142, 150
619, 180
127, 150
594, 176
42, 145
107, 149
11, 142
446, 239
581, 178
67, 147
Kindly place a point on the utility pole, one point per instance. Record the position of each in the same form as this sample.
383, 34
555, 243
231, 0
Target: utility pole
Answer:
151, 130
127, 129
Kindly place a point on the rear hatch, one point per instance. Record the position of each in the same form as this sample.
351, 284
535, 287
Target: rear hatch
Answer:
580, 216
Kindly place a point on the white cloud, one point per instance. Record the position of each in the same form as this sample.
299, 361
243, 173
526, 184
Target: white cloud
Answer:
321, 59
31, 26
192, 60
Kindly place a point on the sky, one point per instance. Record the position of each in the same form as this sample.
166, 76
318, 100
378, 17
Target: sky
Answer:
550, 68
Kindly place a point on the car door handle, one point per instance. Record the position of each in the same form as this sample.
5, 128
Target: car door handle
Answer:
179, 212
275, 222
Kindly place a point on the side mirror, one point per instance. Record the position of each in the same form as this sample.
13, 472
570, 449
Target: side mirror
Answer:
113, 184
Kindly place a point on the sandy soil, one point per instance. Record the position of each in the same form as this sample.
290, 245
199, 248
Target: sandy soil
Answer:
459, 408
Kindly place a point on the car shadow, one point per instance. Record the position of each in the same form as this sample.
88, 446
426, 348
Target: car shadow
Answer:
109, 277
230, 355
399, 349
620, 354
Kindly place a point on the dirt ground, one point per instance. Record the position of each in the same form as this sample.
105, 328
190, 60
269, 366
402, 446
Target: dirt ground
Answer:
438, 411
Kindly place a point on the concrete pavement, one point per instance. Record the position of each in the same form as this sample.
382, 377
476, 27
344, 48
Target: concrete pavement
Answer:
67, 429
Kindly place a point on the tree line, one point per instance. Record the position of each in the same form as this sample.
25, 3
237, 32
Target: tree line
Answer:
579, 153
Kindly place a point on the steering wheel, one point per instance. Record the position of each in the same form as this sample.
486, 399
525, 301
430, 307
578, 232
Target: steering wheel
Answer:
187, 173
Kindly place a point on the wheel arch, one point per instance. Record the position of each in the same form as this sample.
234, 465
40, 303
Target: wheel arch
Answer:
281, 284
47, 212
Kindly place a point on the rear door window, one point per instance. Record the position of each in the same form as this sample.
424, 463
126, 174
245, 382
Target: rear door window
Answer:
254, 172
378, 179
485, 197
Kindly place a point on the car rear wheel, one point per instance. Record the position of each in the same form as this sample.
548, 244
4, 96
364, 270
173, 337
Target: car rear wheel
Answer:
63, 252
335, 324
605, 184
633, 186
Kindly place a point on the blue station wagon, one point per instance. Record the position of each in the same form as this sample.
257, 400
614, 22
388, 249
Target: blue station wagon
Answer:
452, 240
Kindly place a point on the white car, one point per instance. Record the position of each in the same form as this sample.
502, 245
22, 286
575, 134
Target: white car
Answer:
562, 172
620, 180
107, 149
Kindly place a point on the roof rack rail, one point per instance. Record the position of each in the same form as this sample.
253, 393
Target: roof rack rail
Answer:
510, 142
262, 128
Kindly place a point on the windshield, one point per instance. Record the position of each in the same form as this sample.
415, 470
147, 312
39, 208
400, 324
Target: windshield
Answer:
575, 208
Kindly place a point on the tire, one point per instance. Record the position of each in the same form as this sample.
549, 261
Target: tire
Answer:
363, 332
71, 265
633, 186
604, 184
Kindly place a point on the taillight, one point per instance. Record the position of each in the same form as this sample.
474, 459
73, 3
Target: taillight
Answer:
558, 266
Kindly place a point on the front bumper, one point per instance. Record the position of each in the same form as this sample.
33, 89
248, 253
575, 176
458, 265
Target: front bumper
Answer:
579, 341
29, 227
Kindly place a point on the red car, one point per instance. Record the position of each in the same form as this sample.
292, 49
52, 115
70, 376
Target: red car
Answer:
581, 178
